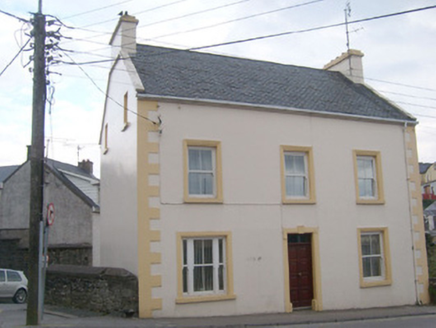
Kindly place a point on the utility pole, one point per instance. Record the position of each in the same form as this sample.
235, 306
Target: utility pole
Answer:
34, 306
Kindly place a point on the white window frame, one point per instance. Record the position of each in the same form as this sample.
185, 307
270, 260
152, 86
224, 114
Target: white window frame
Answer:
382, 276
373, 178
190, 265
213, 172
305, 175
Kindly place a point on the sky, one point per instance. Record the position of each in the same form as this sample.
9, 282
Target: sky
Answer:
399, 61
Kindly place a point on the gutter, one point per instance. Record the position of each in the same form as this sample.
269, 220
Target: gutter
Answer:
272, 107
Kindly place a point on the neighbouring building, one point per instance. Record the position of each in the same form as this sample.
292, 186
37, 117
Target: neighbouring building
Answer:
236, 186
428, 180
74, 191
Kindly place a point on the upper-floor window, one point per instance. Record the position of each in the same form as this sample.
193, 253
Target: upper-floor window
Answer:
297, 175
368, 177
202, 171
366, 174
125, 111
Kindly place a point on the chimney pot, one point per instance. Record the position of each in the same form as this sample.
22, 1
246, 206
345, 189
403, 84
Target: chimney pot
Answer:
87, 166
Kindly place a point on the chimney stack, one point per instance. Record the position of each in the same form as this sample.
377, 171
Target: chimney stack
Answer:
348, 63
86, 165
124, 36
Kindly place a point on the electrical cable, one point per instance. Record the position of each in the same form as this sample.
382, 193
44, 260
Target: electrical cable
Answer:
195, 13
107, 96
311, 29
18, 53
14, 16
137, 13
236, 19
97, 9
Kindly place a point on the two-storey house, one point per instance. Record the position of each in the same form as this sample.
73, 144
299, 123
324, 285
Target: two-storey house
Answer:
237, 186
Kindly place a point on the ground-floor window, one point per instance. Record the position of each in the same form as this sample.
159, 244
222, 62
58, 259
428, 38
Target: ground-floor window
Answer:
205, 268
374, 257
204, 265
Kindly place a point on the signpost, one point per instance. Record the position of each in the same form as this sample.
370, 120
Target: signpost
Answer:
43, 258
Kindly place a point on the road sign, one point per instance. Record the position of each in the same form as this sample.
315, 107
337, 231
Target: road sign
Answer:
50, 214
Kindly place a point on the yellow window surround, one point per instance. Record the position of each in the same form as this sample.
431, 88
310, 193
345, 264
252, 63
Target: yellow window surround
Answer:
379, 197
218, 194
311, 195
386, 278
229, 293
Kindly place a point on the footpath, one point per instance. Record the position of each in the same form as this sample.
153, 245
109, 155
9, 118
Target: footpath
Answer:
12, 316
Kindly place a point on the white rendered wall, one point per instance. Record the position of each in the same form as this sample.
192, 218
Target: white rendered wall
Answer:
253, 212
118, 219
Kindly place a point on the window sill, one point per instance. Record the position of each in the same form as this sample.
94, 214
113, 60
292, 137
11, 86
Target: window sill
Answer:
375, 283
208, 298
200, 200
297, 201
370, 202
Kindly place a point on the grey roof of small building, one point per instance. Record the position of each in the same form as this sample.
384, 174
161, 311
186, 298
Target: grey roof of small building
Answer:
70, 168
6, 171
166, 72
57, 167
423, 167
430, 210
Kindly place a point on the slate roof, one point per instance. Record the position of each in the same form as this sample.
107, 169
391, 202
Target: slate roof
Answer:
194, 75
423, 167
6, 171
430, 210
55, 167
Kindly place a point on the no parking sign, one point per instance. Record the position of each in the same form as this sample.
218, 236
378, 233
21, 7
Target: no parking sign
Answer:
50, 214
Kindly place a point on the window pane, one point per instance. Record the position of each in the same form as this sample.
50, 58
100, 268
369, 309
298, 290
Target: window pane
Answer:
200, 183
2, 276
185, 252
194, 159
185, 279
207, 244
221, 277
295, 164
375, 266
220, 251
296, 186
208, 278
366, 263
366, 188
375, 244
198, 251
366, 247
206, 159
198, 279
194, 184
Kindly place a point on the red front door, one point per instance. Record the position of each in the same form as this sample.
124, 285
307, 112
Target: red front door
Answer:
300, 269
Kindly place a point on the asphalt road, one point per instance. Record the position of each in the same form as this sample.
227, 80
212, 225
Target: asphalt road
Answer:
14, 315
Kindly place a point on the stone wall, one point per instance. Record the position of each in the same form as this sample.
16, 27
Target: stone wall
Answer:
98, 289
14, 249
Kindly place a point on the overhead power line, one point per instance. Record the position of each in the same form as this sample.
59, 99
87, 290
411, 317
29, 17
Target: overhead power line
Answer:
401, 84
195, 13
137, 13
97, 9
312, 29
237, 19
106, 95
14, 16
15, 57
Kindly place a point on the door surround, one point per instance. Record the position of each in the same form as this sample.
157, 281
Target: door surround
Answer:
316, 267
